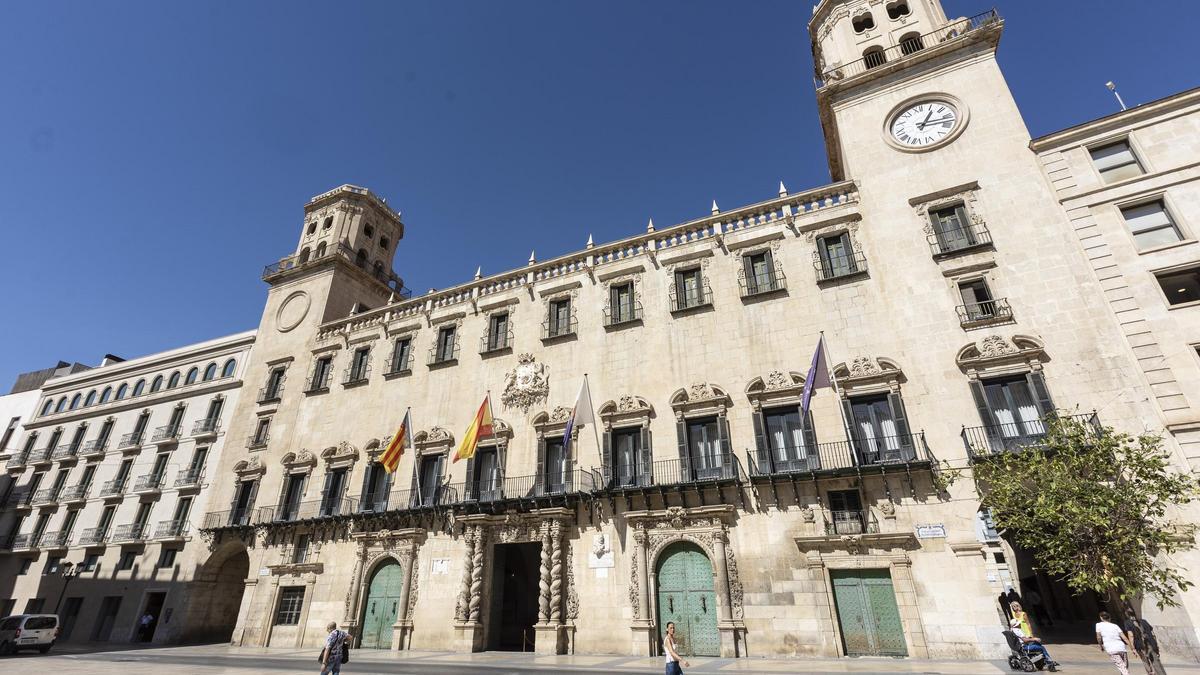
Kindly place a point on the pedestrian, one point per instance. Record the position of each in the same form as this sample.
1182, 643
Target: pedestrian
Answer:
144, 626
1141, 636
673, 659
1029, 643
1019, 615
1114, 642
333, 653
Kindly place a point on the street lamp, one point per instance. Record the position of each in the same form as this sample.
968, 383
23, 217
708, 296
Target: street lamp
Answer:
69, 572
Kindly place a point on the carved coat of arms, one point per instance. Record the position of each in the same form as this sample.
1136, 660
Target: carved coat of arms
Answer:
525, 385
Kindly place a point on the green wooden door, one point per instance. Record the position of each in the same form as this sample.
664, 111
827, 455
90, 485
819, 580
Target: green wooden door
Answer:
381, 607
685, 596
867, 613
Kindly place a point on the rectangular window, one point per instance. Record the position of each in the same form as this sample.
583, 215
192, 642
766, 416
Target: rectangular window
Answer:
262, 433
166, 557
689, 288
555, 471
127, 559
142, 517
214, 412
106, 518
487, 475
243, 502
300, 550
952, 228
497, 337
331, 496
176, 420
69, 522
760, 273
880, 434
105, 432
837, 256
26, 563
620, 302
978, 304
626, 448
293, 492
1180, 287
1116, 161
786, 440
320, 378
90, 561
291, 600
401, 354
274, 385
8, 432
140, 427
1151, 224
846, 512
429, 477
53, 563
1011, 403
360, 365
446, 344
560, 318
705, 449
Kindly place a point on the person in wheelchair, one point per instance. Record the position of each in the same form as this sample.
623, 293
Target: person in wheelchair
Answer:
1030, 647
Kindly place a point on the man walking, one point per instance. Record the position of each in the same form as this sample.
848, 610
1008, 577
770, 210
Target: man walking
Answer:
1114, 642
145, 627
331, 655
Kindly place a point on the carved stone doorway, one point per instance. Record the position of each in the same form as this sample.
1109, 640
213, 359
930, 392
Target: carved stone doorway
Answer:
515, 593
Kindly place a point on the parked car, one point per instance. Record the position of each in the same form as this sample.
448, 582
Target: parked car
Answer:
28, 631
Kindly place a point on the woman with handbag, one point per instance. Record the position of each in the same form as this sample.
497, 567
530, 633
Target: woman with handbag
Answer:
334, 654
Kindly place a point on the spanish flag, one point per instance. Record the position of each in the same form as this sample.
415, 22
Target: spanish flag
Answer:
390, 459
480, 426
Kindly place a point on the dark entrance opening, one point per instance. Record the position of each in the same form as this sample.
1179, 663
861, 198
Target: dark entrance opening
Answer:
1056, 612
213, 608
106, 617
153, 610
514, 604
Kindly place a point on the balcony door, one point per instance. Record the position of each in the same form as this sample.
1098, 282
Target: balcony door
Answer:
706, 448
293, 492
626, 448
1012, 408
242, 502
487, 475
950, 227
788, 441
837, 256
760, 275
846, 512
878, 429
554, 466
376, 485
331, 495
429, 478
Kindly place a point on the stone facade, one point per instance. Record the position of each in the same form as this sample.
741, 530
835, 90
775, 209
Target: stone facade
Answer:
111, 477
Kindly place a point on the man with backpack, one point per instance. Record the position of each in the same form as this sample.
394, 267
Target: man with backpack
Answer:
334, 654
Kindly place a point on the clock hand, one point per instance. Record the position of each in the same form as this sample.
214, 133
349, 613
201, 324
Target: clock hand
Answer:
940, 119
921, 126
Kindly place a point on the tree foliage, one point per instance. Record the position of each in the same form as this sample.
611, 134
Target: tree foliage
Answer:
1094, 507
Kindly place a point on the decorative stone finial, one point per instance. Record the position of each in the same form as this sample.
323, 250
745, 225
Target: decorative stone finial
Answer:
650, 225
715, 208
479, 272
782, 189
532, 257
590, 243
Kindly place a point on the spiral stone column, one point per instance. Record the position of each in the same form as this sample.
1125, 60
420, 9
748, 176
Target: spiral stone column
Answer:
544, 577
477, 575
556, 572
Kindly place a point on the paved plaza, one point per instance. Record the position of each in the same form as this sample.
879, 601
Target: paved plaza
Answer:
213, 659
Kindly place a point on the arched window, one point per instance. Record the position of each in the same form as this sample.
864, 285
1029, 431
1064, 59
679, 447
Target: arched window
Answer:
139, 387
48, 406
874, 57
361, 258
304, 254
384, 243
210, 372
106, 394
174, 381
312, 227
863, 22
328, 223
369, 231
91, 398
122, 391
75, 400
192, 375
230, 366
911, 42
62, 405
321, 250
156, 384
897, 9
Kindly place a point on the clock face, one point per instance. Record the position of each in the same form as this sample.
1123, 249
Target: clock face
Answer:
924, 124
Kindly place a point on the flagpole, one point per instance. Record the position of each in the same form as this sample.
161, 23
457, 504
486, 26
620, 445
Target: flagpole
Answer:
492, 415
595, 430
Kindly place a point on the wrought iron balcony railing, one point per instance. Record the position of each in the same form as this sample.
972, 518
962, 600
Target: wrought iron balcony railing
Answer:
131, 440
401, 364
148, 482
310, 510
65, 451
762, 283
94, 447
439, 355
19, 497
1016, 435
357, 374
258, 440
560, 328
171, 529
189, 477
949, 241
17, 460
206, 427
113, 487
984, 313
521, 488
496, 341
55, 540
41, 455
840, 266
74, 493
272, 392
23, 541
129, 533
93, 536
168, 433
878, 451
850, 522
215, 520
683, 299
622, 313
908, 47
44, 496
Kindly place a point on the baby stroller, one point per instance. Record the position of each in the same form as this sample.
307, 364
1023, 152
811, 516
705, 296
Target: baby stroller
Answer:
1023, 659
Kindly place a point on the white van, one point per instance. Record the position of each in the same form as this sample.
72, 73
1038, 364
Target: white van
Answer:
28, 631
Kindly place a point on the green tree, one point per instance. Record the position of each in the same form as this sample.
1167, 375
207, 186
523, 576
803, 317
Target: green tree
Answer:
1095, 508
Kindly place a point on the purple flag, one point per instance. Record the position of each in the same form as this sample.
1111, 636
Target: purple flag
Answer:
818, 375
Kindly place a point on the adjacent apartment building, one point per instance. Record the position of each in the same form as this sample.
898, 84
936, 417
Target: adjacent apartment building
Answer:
958, 308
109, 479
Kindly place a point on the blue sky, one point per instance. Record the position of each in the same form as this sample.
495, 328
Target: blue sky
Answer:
154, 156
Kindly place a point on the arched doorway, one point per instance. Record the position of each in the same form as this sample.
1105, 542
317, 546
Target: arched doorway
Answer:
382, 606
686, 597
217, 598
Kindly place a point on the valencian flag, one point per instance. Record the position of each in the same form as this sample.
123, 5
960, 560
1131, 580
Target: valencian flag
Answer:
480, 426
818, 375
580, 414
390, 459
